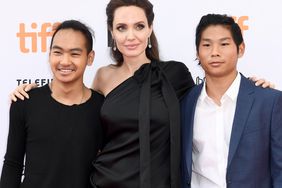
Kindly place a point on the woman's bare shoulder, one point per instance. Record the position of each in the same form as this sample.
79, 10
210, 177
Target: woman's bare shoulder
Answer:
106, 71
103, 75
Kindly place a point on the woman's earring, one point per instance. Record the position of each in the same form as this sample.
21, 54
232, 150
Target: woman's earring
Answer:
149, 43
114, 45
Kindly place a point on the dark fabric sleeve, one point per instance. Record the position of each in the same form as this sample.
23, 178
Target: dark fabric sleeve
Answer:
179, 76
102, 137
13, 163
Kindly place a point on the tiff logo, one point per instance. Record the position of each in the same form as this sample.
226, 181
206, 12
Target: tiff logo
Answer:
241, 22
45, 30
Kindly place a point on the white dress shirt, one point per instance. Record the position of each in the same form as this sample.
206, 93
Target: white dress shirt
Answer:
211, 137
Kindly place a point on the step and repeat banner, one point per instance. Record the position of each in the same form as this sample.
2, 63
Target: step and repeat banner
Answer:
26, 32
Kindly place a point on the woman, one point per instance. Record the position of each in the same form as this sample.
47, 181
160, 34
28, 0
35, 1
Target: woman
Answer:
140, 113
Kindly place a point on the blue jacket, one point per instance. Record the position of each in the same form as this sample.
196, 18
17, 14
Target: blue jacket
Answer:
255, 150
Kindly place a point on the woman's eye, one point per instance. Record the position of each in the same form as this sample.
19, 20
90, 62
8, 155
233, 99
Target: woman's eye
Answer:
120, 28
140, 26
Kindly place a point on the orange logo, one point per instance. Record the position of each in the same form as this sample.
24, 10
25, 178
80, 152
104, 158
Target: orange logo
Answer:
31, 37
241, 22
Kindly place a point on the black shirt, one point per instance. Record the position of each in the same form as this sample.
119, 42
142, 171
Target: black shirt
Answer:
58, 142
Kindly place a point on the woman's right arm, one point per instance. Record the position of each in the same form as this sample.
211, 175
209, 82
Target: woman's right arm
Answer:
21, 91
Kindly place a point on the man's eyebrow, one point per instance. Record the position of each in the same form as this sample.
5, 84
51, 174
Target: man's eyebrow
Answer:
72, 49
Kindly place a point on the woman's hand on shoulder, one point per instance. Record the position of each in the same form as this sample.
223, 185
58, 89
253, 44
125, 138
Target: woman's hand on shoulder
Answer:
21, 91
262, 82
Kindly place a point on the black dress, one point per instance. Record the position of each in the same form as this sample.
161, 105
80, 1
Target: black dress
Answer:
142, 126
59, 142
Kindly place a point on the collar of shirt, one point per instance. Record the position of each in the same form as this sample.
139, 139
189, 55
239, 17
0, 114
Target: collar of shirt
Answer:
211, 137
231, 93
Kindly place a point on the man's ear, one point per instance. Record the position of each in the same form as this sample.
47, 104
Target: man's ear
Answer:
197, 58
241, 50
90, 58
